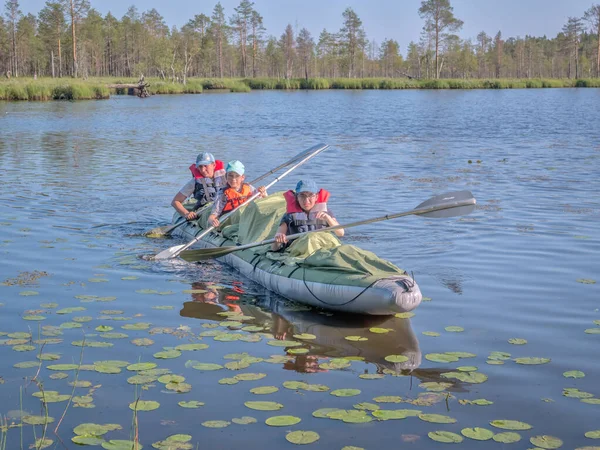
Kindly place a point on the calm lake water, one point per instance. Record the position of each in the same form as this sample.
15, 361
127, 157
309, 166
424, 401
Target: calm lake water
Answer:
81, 182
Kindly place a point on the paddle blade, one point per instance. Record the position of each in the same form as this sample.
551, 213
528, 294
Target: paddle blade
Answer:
451, 204
203, 254
159, 232
171, 252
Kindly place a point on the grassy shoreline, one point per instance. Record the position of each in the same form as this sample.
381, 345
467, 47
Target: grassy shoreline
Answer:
45, 89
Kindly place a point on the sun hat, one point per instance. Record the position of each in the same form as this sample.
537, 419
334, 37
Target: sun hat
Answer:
204, 159
306, 185
235, 166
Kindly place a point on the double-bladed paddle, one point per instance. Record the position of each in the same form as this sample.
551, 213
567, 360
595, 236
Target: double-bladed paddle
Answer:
173, 252
445, 205
166, 230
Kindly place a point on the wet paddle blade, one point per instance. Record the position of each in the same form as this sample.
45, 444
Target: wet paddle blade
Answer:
158, 232
203, 254
451, 204
170, 252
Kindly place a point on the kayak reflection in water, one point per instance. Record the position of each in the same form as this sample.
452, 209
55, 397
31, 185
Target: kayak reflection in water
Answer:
331, 331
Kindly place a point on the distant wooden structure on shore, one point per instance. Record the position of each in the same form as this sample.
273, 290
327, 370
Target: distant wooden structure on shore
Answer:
140, 89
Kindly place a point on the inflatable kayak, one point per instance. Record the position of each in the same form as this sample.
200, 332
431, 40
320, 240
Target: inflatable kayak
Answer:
316, 269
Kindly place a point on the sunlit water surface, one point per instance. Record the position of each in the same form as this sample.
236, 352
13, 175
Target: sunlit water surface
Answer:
81, 182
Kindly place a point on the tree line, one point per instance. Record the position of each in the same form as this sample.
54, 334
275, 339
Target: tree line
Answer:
71, 38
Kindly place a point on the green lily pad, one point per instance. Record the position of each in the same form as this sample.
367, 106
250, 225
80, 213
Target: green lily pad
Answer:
454, 329
388, 399
350, 416
216, 424
297, 351
88, 440
144, 405
179, 387
592, 331
371, 376
207, 366
228, 381
129, 278
244, 420
93, 344
394, 414
591, 401
114, 336
137, 326
37, 420
191, 347
41, 444
356, 338
396, 358
237, 365
303, 336
517, 341
70, 310
593, 434
70, 325
51, 396
545, 441
103, 328
250, 376
345, 392
323, 413
378, 330
142, 342
435, 386
467, 377
62, 367
263, 406
120, 444
170, 378
93, 429
441, 357
283, 343
23, 348
34, 317
532, 360
27, 364
404, 315
295, 385
510, 425
437, 418
467, 369
573, 374
446, 437
282, 421
462, 354
580, 280
59, 376
106, 368
316, 388
479, 434
192, 404
507, 437
262, 390
167, 354
28, 293
302, 437
431, 333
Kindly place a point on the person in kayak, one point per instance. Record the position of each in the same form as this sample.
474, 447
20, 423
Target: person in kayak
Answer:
208, 177
234, 194
306, 210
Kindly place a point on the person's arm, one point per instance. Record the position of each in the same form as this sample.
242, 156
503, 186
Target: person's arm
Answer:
217, 209
331, 222
180, 197
280, 237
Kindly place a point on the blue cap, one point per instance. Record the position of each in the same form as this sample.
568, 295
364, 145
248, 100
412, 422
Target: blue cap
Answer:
235, 166
204, 159
306, 185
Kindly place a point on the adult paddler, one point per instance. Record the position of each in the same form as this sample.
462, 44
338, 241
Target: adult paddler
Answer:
208, 177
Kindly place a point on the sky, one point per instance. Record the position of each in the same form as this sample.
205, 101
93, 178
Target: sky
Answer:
382, 19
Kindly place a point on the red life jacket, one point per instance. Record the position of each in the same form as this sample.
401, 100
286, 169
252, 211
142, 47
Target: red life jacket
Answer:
235, 198
302, 221
205, 188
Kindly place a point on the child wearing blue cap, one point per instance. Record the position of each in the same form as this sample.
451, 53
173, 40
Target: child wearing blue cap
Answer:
306, 210
234, 194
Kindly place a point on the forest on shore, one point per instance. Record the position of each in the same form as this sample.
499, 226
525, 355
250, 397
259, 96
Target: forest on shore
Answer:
69, 38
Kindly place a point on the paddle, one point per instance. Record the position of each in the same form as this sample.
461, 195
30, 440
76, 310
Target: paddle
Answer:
173, 252
445, 205
166, 230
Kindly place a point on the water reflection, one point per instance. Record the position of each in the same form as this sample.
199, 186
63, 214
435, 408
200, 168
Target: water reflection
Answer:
285, 320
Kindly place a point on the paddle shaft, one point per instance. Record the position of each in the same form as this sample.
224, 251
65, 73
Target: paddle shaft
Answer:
449, 202
175, 251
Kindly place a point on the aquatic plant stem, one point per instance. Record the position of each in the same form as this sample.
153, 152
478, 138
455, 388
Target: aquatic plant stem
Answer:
74, 387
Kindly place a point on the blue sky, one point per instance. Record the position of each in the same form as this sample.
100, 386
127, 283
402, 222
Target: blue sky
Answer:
395, 19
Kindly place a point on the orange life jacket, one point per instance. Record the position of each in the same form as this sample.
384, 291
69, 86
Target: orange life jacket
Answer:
302, 221
235, 198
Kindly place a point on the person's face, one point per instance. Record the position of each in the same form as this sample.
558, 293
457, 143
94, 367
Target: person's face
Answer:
307, 200
235, 180
207, 170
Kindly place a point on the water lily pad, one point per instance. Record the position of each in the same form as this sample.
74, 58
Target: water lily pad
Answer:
431, 333
59, 376
507, 437
356, 338
517, 341
446, 437
388, 399
51, 396
41, 444
394, 414
345, 392
573, 374
93, 344
70, 325
441, 357
144, 405
191, 347
462, 354
316, 388
250, 376
70, 310
129, 278
137, 326
532, 360
295, 385
244, 420
106, 368
28, 293
437, 418
27, 365
510, 425
62, 367
297, 351
435, 386
283, 343
37, 420
104, 328
478, 434
228, 381
263, 406
34, 317
216, 424
120, 444
591, 401
467, 369
378, 330
371, 376
467, 377
167, 354
88, 440
302, 437
404, 315
303, 336
454, 329
207, 366
142, 342
262, 390
396, 358
114, 335
592, 331
580, 280
593, 434
545, 441
94, 429
23, 348
282, 421
192, 404
179, 387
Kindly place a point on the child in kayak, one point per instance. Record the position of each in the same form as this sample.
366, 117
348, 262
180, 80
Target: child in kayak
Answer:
234, 194
306, 210
208, 177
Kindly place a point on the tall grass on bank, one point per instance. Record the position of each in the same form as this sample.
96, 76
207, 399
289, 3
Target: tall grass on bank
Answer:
45, 89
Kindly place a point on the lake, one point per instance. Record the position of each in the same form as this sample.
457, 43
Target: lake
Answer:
509, 332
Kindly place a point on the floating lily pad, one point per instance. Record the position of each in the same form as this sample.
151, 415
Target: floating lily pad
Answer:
93, 344
574, 374
302, 437
350, 416
378, 330
345, 392
545, 441
106, 368
250, 376
294, 385
192, 404
23, 348
454, 329
170, 378
394, 414
282, 421
137, 326
591, 401
517, 341
262, 390
62, 367
593, 434
356, 338
478, 434
41, 444
94, 429
396, 358
88, 440
462, 354
388, 399
216, 424
244, 420
34, 317
191, 347
441, 357
27, 364
510, 425
144, 405
445, 436
478, 402
104, 328
142, 342
592, 331
70, 310
431, 333
586, 281
119, 444
303, 336
435, 386
228, 381
37, 420
263, 406
207, 366
323, 413
507, 437
283, 343
179, 387
129, 278
114, 335
297, 351
467, 377
28, 293
437, 418
167, 354
59, 376
371, 376
404, 315
51, 396
532, 360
